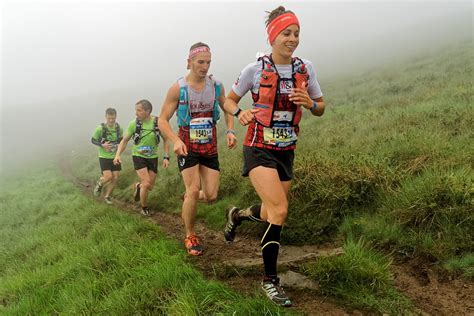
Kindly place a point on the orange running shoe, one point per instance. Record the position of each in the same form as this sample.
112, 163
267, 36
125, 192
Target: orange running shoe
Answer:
193, 246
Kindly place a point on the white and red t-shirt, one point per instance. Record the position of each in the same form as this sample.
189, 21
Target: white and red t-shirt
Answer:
280, 137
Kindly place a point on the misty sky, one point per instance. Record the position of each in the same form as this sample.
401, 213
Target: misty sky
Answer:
58, 56
50, 50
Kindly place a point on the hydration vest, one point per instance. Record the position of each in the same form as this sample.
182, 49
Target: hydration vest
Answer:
269, 90
184, 113
138, 130
103, 138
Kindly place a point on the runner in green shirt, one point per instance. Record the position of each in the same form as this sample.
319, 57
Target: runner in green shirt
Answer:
107, 136
146, 137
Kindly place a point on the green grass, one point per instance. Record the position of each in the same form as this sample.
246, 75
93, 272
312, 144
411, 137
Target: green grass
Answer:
63, 253
463, 265
360, 277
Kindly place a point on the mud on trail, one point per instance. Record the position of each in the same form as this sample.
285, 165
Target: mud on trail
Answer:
239, 265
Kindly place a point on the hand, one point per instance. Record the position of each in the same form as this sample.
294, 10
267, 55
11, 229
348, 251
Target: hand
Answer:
231, 141
107, 146
117, 160
300, 96
179, 148
166, 163
247, 116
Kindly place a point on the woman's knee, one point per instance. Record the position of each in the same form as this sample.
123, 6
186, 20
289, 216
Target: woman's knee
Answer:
277, 212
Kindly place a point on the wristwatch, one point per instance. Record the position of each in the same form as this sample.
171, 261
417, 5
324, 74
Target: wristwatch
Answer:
237, 112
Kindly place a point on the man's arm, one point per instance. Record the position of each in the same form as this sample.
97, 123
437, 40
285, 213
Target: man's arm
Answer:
167, 110
121, 147
166, 153
229, 122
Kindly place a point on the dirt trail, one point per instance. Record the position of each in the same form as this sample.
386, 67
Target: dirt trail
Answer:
239, 264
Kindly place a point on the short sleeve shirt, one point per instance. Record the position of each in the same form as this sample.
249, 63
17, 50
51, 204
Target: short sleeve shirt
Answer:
148, 145
110, 136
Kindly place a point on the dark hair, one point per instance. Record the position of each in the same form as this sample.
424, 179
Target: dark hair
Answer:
198, 44
276, 13
146, 105
111, 111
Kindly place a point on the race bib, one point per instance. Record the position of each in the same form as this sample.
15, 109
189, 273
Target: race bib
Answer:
200, 130
282, 134
146, 150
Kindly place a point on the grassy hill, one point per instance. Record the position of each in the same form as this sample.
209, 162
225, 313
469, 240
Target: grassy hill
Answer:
387, 172
391, 160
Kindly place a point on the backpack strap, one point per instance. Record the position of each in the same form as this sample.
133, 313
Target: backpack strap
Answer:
118, 132
156, 130
183, 112
216, 115
103, 137
298, 65
138, 130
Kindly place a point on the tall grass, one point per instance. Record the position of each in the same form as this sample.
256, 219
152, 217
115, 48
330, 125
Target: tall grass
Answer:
360, 277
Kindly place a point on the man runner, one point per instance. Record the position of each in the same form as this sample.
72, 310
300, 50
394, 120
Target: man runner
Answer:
146, 136
196, 99
106, 136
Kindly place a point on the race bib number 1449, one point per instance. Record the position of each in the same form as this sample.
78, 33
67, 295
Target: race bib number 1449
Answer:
200, 130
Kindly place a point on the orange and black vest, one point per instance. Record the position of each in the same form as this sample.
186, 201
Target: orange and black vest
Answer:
269, 90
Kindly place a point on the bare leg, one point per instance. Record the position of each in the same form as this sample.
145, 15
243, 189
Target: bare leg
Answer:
192, 183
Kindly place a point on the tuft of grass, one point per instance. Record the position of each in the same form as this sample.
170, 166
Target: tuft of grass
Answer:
461, 266
360, 277
430, 215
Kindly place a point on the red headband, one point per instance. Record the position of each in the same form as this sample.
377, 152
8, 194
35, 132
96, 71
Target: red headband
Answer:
193, 52
280, 23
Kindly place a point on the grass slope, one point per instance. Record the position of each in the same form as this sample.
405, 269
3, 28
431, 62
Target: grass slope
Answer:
61, 252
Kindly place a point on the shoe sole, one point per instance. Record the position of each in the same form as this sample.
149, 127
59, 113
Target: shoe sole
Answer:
195, 254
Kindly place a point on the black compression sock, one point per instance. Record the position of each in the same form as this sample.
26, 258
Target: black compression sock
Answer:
270, 247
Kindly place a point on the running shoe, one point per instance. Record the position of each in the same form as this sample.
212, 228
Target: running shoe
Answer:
146, 211
136, 194
108, 200
232, 223
275, 292
193, 246
98, 188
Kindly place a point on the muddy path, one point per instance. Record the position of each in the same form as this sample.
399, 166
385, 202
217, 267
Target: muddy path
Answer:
240, 266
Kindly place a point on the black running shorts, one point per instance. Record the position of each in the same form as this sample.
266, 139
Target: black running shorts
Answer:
149, 163
193, 159
281, 160
108, 164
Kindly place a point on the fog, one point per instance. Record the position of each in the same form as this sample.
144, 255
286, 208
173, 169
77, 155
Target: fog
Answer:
63, 63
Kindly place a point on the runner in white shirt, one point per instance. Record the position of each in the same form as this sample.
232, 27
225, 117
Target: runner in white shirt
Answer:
282, 86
